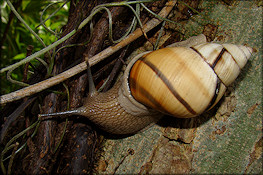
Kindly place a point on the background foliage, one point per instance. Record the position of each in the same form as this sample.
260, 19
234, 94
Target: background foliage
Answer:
15, 38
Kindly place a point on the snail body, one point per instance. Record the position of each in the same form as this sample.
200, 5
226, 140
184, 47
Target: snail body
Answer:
178, 81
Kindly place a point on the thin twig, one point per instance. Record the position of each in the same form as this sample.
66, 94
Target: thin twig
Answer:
115, 69
42, 22
29, 50
30, 90
12, 158
96, 10
26, 25
12, 117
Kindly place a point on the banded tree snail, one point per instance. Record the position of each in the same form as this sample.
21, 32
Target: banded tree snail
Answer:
178, 81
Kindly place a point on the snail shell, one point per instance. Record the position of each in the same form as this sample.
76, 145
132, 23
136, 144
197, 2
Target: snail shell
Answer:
178, 81
184, 82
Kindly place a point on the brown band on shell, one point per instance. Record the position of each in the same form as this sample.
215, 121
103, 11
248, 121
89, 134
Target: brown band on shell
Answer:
201, 56
169, 85
219, 81
214, 64
218, 58
233, 57
158, 105
218, 85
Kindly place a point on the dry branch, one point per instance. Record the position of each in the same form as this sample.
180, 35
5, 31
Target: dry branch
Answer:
38, 87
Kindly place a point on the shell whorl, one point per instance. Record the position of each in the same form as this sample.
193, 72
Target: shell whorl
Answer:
184, 82
226, 60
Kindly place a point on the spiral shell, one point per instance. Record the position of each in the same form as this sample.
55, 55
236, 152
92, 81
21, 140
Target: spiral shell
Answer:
184, 82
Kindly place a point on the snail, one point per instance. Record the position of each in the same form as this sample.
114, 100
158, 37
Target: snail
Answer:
178, 81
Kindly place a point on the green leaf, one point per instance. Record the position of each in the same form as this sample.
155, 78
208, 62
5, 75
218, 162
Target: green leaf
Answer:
19, 56
25, 4
56, 25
